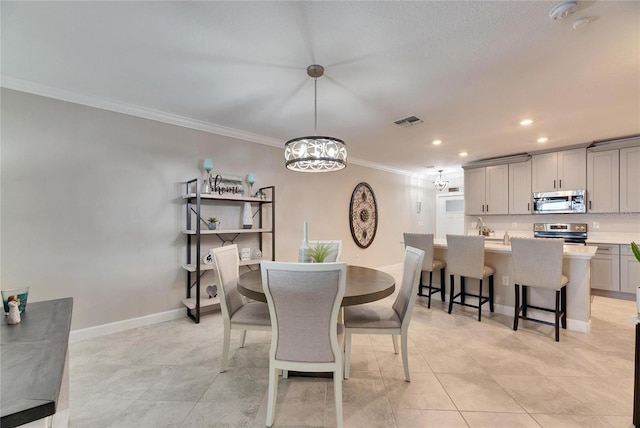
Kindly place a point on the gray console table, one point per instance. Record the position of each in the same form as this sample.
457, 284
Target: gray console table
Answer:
35, 363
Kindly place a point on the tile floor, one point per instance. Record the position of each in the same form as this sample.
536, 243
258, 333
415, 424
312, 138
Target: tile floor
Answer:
463, 374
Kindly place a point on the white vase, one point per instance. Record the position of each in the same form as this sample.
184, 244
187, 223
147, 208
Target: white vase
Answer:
247, 216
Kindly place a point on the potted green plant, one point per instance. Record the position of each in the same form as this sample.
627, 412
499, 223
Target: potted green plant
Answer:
212, 223
319, 252
635, 250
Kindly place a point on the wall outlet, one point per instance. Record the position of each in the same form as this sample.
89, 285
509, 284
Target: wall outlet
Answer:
505, 280
596, 225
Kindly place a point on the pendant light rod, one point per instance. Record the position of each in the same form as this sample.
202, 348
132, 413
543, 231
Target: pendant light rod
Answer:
315, 71
315, 154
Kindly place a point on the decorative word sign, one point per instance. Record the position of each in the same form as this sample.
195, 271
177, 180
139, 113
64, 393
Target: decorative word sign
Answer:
228, 184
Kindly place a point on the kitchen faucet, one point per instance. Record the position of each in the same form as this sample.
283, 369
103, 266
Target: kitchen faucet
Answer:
482, 229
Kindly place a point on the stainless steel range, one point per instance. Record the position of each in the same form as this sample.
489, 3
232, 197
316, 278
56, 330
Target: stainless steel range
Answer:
572, 233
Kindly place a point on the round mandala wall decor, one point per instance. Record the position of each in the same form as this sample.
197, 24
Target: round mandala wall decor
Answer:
363, 215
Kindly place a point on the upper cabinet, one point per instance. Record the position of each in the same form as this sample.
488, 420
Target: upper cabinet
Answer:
486, 190
603, 178
565, 170
629, 179
520, 188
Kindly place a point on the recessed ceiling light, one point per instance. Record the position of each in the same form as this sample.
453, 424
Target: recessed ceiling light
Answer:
436, 142
463, 154
526, 122
543, 140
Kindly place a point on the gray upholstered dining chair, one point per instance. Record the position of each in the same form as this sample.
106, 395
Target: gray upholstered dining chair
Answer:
537, 262
335, 248
465, 257
382, 319
304, 301
237, 313
424, 242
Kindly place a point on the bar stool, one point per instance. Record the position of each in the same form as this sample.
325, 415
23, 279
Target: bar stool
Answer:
538, 263
465, 257
424, 242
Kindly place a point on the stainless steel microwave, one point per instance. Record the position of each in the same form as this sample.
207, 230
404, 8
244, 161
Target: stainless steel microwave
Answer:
566, 202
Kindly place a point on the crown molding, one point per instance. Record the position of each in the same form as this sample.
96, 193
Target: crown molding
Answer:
133, 110
21, 85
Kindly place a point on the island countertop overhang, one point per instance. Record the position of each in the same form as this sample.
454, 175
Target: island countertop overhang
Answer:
570, 251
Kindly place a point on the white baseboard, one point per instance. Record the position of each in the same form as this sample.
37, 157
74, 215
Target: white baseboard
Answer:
115, 327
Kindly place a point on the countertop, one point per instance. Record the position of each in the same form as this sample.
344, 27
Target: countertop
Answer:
594, 238
33, 356
570, 251
613, 238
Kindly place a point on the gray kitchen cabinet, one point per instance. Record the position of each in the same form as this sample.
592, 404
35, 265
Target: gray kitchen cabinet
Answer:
486, 190
629, 179
520, 188
629, 270
605, 268
564, 170
603, 181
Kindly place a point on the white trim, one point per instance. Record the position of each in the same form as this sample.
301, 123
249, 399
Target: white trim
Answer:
21, 85
118, 326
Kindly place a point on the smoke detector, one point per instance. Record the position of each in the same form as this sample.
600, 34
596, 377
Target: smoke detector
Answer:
563, 10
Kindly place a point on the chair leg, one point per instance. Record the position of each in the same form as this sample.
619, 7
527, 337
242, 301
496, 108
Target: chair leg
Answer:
420, 286
225, 347
451, 287
524, 300
491, 293
242, 338
557, 315
347, 353
337, 393
430, 289
394, 339
563, 306
405, 356
273, 394
463, 289
480, 302
442, 284
516, 310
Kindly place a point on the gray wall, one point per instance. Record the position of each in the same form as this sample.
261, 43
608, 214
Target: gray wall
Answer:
90, 205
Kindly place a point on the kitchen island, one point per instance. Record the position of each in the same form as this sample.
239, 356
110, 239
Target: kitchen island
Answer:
576, 265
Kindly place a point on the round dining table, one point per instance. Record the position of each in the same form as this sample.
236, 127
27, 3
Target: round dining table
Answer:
363, 285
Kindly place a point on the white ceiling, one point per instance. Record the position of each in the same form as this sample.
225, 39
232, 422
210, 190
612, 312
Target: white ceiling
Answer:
470, 70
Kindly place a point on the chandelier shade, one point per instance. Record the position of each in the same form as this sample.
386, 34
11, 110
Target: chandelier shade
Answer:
440, 183
317, 153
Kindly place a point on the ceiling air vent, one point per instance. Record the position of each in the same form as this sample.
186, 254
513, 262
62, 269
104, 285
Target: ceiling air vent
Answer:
408, 121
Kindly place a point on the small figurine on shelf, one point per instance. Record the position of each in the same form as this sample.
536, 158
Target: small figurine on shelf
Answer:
14, 312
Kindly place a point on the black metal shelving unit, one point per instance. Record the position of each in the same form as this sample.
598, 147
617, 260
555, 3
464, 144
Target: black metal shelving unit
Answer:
195, 269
